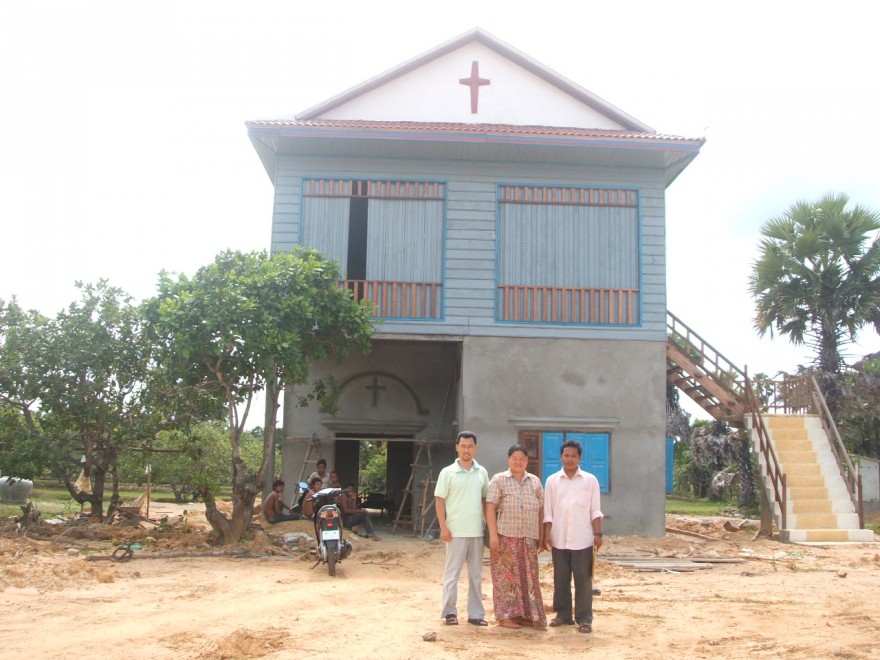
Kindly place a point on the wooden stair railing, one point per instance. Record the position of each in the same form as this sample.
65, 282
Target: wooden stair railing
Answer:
775, 475
801, 394
701, 371
851, 476
724, 391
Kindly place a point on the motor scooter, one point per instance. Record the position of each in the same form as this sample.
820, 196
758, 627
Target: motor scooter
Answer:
332, 545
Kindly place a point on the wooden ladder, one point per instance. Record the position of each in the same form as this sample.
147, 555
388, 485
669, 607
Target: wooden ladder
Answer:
313, 453
401, 519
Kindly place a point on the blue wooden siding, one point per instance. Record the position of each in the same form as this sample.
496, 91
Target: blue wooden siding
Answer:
405, 240
568, 246
469, 276
325, 227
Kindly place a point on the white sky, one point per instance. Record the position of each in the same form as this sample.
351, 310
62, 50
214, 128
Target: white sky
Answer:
123, 149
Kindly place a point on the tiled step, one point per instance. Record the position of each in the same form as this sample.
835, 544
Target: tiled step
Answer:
796, 494
810, 506
796, 457
805, 469
784, 421
790, 438
799, 479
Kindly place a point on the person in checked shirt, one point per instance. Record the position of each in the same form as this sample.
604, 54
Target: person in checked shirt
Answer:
514, 513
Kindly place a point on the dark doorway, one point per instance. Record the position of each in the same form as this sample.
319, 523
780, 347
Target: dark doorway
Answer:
347, 460
400, 459
357, 239
398, 455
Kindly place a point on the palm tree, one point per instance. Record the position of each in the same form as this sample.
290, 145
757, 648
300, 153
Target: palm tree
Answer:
817, 278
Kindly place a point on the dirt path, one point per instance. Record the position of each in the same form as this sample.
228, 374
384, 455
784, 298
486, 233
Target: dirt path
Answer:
782, 600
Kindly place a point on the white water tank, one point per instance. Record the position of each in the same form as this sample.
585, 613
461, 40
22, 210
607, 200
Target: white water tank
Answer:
13, 489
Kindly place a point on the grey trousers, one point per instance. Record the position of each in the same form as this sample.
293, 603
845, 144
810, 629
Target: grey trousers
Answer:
461, 550
350, 520
577, 564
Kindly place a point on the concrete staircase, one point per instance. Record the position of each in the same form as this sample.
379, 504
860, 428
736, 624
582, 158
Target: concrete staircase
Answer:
818, 506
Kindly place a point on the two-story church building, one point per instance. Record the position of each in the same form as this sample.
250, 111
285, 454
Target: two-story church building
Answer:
509, 228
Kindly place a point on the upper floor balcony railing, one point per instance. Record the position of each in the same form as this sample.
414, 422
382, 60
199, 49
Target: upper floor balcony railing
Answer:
398, 300
576, 305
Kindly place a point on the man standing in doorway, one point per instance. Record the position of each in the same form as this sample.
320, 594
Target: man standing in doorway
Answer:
572, 529
460, 500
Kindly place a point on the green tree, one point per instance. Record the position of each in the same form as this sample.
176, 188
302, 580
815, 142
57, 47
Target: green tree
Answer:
858, 407
373, 465
22, 335
80, 383
182, 459
246, 323
817, 278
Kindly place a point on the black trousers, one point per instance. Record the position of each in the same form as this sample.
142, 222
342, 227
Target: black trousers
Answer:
577, 564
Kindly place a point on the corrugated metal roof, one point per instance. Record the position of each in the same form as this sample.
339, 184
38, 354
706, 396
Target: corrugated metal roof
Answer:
471, 142
334, 126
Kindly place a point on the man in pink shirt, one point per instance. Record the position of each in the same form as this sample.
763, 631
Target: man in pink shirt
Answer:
572, 528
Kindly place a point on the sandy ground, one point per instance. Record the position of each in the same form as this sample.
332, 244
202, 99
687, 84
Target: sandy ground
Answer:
780, 600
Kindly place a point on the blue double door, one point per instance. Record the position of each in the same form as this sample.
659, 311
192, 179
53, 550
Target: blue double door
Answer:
595, 458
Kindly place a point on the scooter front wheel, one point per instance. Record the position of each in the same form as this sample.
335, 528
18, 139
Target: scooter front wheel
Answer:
331, 558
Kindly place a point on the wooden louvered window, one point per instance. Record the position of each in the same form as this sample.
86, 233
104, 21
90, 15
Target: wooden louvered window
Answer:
568, 255
387, 237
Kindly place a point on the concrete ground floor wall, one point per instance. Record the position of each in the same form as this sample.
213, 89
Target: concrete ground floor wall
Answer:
412, 390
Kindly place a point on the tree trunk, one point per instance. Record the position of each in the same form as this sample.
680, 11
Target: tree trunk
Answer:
97, 496
230, 530
270, 420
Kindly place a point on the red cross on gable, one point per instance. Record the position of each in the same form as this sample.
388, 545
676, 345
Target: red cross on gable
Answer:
474, 82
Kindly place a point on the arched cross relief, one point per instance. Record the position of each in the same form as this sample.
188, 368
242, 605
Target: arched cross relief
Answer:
375, 387
474, 82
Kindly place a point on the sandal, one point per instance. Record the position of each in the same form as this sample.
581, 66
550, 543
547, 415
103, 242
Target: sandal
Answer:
451, 620
585, 628
478, 622
556, 622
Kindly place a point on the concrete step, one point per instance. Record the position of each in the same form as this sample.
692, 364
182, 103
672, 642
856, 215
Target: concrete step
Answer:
827, 535
822, 521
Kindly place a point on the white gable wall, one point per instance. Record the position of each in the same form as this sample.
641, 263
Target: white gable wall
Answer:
433, 93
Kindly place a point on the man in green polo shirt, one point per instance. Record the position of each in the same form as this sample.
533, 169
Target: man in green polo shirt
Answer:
460, 500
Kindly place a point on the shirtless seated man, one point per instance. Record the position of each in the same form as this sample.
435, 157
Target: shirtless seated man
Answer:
273, 507
308, 503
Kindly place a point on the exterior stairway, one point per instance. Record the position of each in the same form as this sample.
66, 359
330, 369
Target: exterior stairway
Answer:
818, 507
696, 368
813, 489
